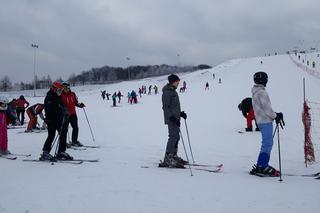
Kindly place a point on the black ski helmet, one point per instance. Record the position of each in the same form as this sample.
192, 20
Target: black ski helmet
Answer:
260, 78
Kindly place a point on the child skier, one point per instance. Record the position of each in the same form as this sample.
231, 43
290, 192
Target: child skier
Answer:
114, 99
264, 115
3, 127
32, 113
207, 86
247, 111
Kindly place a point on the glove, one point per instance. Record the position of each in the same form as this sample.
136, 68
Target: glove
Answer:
183, 115
175, 120
279, 119
81, 105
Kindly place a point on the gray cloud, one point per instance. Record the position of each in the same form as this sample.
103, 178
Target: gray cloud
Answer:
77, 35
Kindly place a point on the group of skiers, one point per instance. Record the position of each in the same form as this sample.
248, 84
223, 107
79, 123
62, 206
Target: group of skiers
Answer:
59, 107
258, 107
60, 102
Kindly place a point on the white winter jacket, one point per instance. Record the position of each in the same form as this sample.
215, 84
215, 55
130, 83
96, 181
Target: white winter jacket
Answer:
261, 104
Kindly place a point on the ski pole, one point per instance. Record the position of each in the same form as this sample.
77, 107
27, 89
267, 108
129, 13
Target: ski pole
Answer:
88, 124
185, 150
185, 122
69, 136
280, 170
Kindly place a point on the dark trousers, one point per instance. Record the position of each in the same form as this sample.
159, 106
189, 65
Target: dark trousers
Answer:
20, 113
62, 129
73, 121
174, 137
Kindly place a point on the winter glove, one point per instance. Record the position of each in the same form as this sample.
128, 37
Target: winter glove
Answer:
81, 105
183, 115
279, 119
175, 120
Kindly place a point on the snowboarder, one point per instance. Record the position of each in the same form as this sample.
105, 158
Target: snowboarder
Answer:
114, 99
32, 113
21, 104
172, 114
264, 115
70, 102
247, 111
207, 86
3, 127
56, 116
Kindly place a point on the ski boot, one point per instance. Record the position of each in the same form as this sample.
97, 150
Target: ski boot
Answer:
45, 156
180, 160
76, 143
257, 129
171, 162
5, 152
249, 129
268, 171
63, 156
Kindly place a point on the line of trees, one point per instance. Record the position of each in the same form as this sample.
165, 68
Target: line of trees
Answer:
102, 75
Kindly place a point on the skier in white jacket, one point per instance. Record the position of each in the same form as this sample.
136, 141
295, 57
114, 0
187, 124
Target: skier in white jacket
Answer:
264, 116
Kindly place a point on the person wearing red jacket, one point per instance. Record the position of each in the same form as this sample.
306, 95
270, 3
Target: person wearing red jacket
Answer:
70, 101
21, 104
32, 112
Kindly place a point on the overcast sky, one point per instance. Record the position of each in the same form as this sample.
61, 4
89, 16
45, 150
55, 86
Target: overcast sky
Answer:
76, 35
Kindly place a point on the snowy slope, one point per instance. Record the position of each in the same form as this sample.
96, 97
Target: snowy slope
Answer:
134, 136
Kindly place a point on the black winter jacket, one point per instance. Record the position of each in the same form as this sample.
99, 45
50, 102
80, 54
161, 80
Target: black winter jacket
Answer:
170, 103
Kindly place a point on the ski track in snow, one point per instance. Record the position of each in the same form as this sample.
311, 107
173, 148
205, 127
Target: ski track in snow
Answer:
132, 136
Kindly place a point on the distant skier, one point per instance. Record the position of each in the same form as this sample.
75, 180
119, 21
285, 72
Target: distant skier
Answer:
140, 92
247, 111
214, 76
3, 127
119, 96
172, 113
219, 80
108, 95
32, 113
149, 91
56, 116
114, 99
207, 86
129, 97
313, 64
11, 113
21, 104
133, 96
264, 115
184, 86
155, 89
103, 94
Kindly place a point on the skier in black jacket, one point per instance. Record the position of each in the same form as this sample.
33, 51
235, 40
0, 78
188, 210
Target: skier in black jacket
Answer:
172, 113
56, 116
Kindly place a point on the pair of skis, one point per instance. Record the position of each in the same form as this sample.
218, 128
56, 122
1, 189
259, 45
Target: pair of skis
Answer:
213, 168
74, 161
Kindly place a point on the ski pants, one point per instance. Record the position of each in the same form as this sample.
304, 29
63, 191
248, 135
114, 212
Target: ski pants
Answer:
73, 120
62, 128
32, 120
3, 132
20, 113
174, 137
250, 117
266, 130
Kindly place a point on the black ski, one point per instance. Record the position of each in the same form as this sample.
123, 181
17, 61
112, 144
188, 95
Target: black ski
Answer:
85, 160
206, 165
53, 162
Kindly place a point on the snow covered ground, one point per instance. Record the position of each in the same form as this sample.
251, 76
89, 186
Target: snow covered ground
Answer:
134, 136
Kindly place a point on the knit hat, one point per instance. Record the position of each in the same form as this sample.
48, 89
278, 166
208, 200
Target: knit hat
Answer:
173, 78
